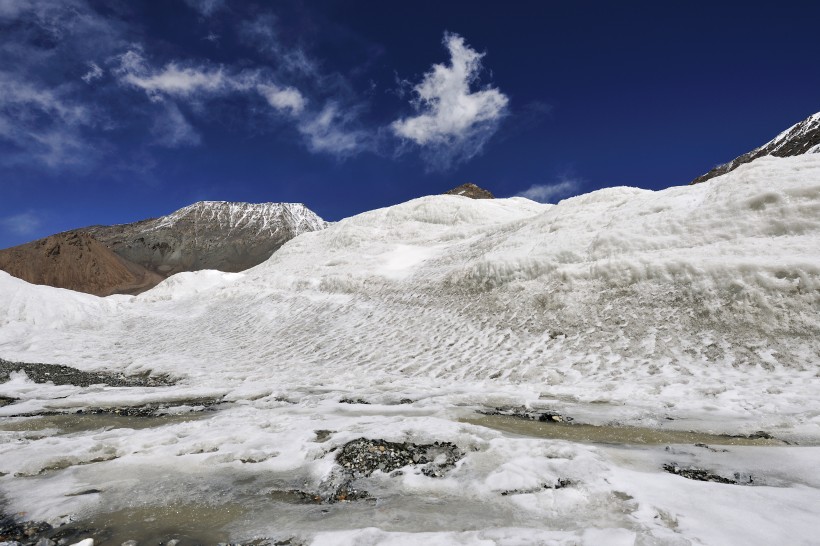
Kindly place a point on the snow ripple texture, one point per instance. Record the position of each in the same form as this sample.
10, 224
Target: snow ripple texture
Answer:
691, 295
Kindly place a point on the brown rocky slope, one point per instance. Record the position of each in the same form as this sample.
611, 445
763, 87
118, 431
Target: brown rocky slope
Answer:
77, 261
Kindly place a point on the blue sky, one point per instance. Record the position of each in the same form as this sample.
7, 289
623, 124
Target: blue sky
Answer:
117, 111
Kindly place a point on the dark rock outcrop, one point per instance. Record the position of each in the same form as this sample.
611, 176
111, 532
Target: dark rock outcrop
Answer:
470, 190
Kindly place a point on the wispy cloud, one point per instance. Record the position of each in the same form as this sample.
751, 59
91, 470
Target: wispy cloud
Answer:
283, 98
173, 79
261, 33
453, 122
548, 193
43, 125
172, 130
94, 73
206, 7
330, 131
74, 78
24, 223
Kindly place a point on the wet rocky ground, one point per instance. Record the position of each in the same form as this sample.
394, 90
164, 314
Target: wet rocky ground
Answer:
703, 475
362, 457
66, 375
521, 412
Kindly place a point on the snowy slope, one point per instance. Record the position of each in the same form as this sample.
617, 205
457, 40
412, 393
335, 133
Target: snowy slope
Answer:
692, 307
801, 138
652, 286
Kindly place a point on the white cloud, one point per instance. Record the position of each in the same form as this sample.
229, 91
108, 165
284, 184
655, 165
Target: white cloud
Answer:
206, 7
44, 125
94, 73
179, 81
546, 193
12, 8
453, 123
283, 98
327, 132
260, 32
172, 130
24, 223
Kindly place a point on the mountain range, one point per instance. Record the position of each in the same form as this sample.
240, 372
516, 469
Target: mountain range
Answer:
132, 258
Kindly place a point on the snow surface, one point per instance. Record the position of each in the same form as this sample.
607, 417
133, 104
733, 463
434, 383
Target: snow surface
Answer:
692, 308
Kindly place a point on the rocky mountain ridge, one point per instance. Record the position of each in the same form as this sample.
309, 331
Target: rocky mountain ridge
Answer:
800, 138
219, 235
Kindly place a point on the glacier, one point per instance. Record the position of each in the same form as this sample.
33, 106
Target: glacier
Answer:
690, 308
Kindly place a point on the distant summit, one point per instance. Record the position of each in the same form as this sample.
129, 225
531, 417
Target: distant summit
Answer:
801, 138
77, 261
132, 258
209, 235
472, 191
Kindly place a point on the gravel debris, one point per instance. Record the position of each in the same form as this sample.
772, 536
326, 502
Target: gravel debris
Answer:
66, 375
702, 475
521, 412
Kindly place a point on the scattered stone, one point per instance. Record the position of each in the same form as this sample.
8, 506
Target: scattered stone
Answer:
405, 401
26, 533
698, 474
362, 457
712, 449
560, 484
66, 375
84, 492
353, 401
295, 496
322, 435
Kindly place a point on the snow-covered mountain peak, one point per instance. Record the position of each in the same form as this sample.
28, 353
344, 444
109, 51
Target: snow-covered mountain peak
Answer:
801, 138
222, 235
259, 217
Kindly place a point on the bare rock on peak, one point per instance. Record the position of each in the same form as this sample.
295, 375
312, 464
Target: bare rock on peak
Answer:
801, 138
472, 191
